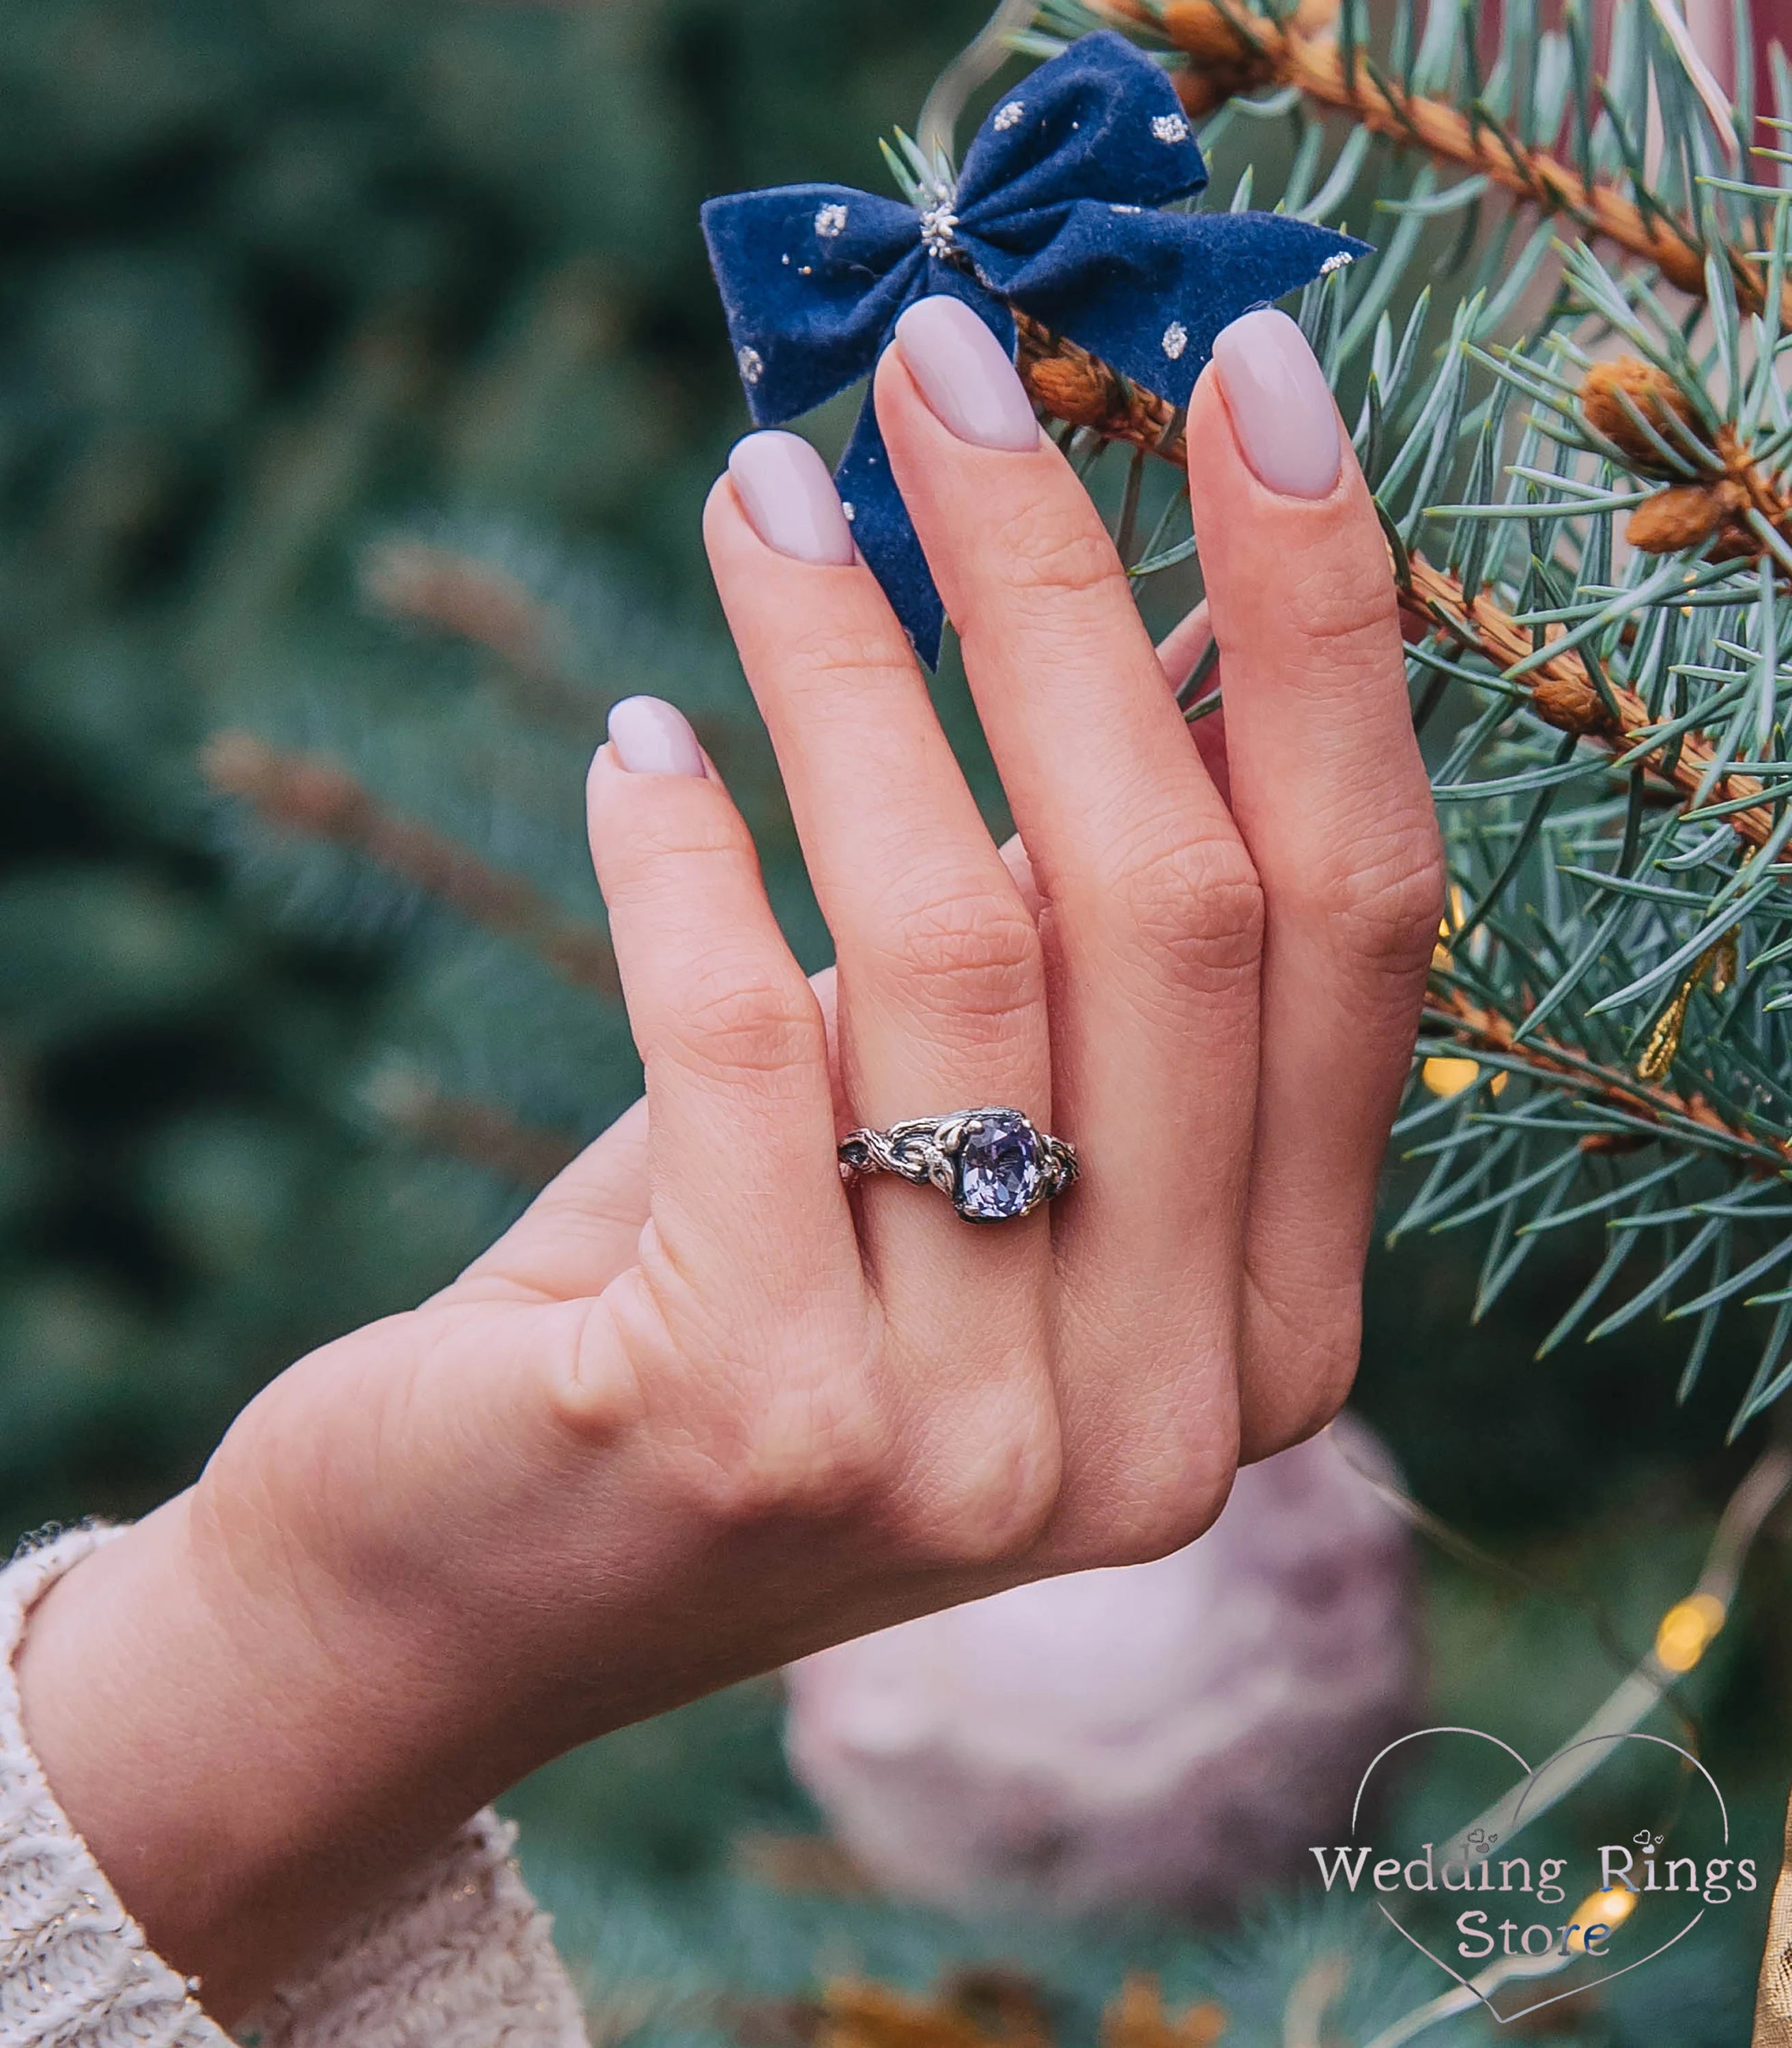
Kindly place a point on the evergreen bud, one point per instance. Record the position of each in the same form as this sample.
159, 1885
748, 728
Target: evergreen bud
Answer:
1651, 394
1685, 516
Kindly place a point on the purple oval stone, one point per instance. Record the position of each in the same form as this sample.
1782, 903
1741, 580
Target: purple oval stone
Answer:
1000, 1166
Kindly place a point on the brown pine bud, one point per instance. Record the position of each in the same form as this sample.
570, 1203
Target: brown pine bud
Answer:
1068, 388
1653, 395
1685, 516
1564, 696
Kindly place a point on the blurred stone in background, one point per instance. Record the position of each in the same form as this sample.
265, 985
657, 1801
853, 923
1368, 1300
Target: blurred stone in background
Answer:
1174, 1734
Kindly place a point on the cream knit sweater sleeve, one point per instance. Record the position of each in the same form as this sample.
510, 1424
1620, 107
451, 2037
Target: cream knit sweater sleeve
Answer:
457, 1957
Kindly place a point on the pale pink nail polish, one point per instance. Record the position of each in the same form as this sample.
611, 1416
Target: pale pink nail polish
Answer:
965, 376
1281, 406
650, 737
785, 490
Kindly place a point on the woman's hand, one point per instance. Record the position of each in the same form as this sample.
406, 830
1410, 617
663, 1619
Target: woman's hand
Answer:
703, 1410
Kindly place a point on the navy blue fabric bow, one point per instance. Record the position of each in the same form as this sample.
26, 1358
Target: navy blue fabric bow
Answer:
1055, 212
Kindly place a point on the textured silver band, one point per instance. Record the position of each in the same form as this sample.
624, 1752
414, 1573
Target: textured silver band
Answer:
994, 1163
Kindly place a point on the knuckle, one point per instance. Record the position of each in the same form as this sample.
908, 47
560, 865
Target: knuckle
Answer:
1159, 1476
992, 1505
833, 652
821, 1457
1196, 901
1166, 1513
1176, 1489
1351, 619
1383, 902
765, 1416
591, 1383
688, 832
1153, 1519
965, 953
736, 1016
1060, 549
1305, 1357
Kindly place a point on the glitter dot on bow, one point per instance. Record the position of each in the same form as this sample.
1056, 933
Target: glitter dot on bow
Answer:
1055, 211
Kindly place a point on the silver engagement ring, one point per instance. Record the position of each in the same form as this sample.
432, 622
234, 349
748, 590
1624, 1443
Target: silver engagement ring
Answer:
994, 1163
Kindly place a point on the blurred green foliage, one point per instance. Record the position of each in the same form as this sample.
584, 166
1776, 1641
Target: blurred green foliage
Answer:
276, 276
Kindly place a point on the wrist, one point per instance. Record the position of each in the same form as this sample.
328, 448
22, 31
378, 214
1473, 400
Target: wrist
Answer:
247, 1760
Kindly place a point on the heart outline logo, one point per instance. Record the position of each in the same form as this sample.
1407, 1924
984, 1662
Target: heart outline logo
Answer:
1533, 1773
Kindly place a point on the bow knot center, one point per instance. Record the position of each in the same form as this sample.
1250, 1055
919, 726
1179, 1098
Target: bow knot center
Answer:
939, 229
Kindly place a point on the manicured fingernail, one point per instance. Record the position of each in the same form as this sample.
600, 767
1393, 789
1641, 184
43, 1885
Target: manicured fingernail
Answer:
965, 375
650, 737
783, 486
1281, 406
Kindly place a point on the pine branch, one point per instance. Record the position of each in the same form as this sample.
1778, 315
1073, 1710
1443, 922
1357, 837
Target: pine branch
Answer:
1070, 384
1563, 694
1065, 381
475, 1131
321, 800
1478, 1029
1230, 52
1635, 1107
445, 590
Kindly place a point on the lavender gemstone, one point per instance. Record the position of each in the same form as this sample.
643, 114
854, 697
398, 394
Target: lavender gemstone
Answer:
1000, 1166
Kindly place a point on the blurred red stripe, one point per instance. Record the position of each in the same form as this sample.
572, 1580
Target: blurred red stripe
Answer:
1773, 24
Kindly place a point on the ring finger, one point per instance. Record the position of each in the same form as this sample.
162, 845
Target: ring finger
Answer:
1150, 919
